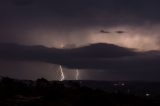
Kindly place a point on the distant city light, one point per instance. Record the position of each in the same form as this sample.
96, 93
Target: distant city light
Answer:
147, 94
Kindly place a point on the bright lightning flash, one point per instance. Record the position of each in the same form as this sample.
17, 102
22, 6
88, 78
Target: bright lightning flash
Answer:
61, 69
77, 74
62, 74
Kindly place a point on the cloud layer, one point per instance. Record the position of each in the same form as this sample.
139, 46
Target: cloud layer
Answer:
53, 22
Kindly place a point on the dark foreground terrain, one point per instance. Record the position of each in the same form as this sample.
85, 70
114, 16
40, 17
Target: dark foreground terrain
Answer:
71, 93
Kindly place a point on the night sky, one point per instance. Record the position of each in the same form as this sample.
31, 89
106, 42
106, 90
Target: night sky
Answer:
123, 35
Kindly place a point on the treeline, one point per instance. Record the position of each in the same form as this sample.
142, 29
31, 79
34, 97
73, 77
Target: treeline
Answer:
45, 93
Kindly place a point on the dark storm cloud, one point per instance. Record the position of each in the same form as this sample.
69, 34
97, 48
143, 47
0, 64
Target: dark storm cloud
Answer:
95, 10
38, 21
22, 2
41, 53
96, 56
88, 12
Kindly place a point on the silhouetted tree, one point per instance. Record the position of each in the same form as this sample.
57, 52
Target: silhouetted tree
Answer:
7, 87
42, 82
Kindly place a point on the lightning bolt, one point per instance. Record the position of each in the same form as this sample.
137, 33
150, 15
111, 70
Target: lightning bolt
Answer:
62, 74
77, 74
61, 69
